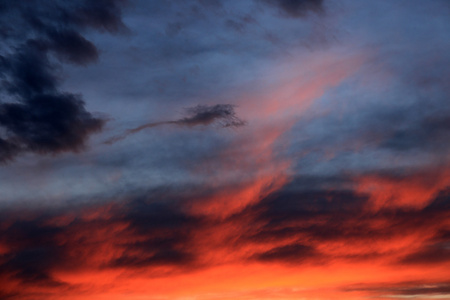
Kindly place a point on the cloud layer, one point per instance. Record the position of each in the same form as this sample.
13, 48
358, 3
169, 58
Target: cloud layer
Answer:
156, 234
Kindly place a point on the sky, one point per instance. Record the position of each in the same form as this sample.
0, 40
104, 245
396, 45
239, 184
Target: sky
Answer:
212, 149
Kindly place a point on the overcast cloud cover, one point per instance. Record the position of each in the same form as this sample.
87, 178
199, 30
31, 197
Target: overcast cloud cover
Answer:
211, 149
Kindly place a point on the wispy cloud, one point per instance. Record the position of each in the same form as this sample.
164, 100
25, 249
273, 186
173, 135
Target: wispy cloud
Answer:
221, 114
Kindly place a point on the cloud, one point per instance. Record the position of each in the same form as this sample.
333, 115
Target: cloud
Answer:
221, 114
224, 114
140, 233
404, 188
32, 252
158, 234
297, 8
35, 115
429, 254
163, 234
340, 226
418, 127
436, 249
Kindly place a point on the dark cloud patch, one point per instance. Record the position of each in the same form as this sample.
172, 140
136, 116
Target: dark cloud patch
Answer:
34, 251
297, 8
286, 206
442, 236
295, 216
222, 114
7, 150
35, 116
71, 46
104, 15
48, 123
440, 204
30, 233
429, 255
146, 232
32, 266
164, 234
144, 216
28, 72
314, 217
437, 249
431, 132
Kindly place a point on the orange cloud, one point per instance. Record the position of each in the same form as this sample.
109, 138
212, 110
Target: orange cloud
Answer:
414, 190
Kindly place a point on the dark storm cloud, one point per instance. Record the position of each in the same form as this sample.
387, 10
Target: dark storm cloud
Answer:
222, 114
297, 8
35, 115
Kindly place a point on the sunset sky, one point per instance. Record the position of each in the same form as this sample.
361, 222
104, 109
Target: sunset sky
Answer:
224, 149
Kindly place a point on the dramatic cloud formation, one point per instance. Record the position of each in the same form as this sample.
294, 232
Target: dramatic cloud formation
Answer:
160, 237
34, 114
334, 183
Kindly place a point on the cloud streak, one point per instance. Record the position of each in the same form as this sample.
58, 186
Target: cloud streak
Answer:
221, 114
